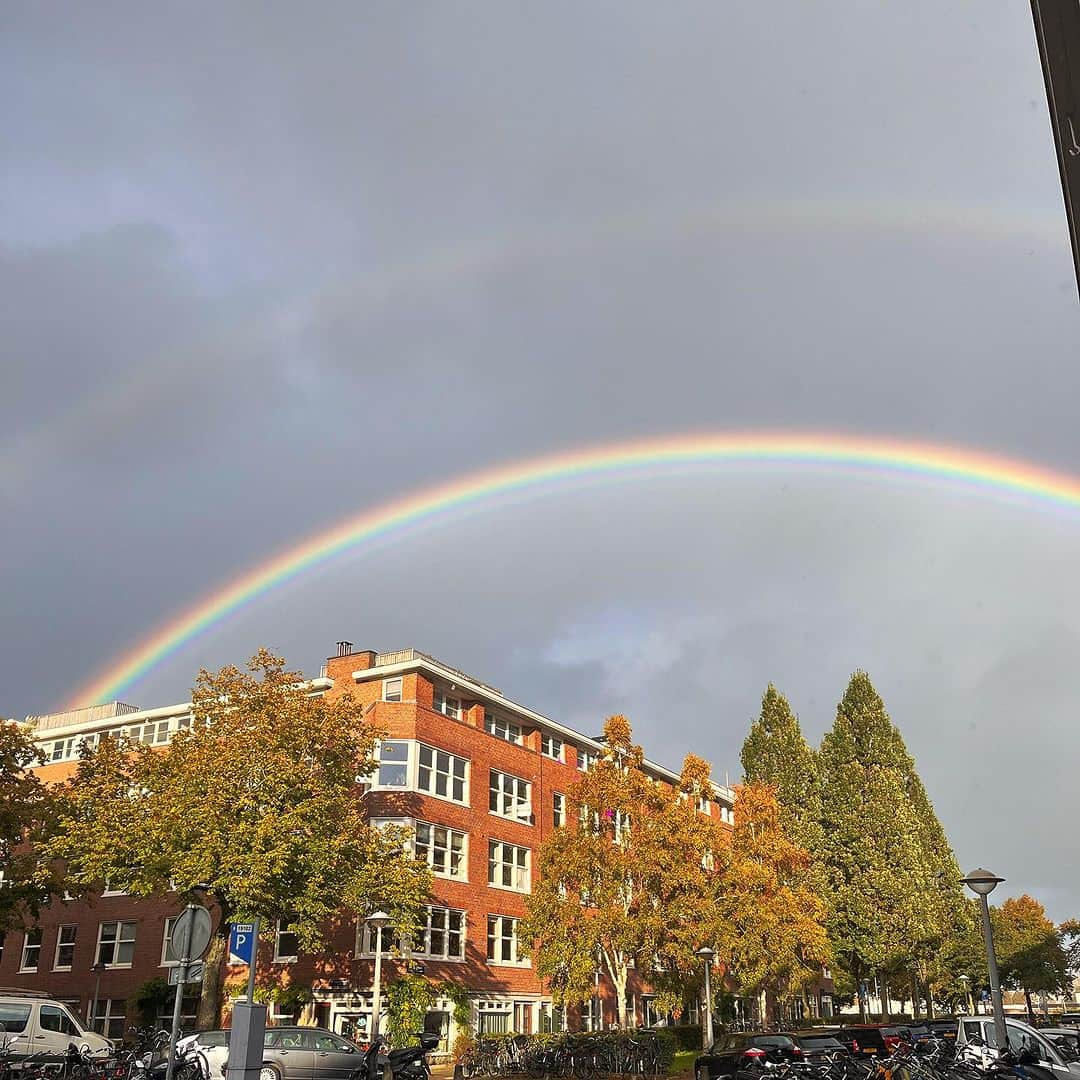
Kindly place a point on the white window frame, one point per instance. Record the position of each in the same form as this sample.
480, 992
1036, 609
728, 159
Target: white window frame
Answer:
435, 772
431, 847
512, 795
548, 744
387, 689
60, 943
586, 758
413, 766
503, 856
558, 809
500, 727
281, 927
449, 706
499, 935
107, 1014
117, 941
24, 966
166, 940
365, 941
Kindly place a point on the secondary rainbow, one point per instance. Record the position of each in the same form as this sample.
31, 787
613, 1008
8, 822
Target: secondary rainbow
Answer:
989, 473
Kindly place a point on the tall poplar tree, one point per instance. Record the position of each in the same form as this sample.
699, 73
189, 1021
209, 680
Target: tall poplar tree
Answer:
872, 838
775, 753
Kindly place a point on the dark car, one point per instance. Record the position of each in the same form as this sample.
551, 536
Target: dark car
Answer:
942, 1029
737, 1055
818, 1046
864, 1040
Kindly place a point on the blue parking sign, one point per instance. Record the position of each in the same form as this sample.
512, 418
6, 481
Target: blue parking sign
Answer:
241, 942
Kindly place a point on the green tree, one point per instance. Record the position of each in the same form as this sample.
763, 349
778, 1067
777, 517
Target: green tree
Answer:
26, 816
629, 881
879, 873
1030, 953
258, 801
775, 753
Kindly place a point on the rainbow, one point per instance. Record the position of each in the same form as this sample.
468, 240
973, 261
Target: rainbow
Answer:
986, 473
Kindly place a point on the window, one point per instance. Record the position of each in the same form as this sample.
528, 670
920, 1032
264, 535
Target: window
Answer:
502, 728
31, 950
62, 749
286, 945
704, 804
13, 1017
365, 939
448, 706
586, 759
508, 866
444, 935
393, 768
558, 809
53, 1018
442, 774
391, 689
168, 959
441, 848
509, 796
108, 1020
502, 941
65, 948
553, 747
116, 944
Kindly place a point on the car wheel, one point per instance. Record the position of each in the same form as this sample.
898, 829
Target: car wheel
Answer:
269, 1072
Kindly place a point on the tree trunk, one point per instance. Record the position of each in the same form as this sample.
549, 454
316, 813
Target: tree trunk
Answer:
931, 1009
619, 982
209, 1015
1030, 1010
884, 991
916, 999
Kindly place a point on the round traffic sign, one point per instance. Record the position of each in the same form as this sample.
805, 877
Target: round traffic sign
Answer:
191, 934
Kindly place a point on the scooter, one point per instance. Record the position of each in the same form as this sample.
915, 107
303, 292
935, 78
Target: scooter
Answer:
404, 1063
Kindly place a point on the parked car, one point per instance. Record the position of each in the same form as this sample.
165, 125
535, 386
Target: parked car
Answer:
33, 1023
942, 1029
976, 1034
863, 1040
818, 1045
1066, 1039
737, 1054
289, 1053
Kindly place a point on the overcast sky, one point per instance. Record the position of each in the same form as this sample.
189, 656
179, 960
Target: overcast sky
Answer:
265, 265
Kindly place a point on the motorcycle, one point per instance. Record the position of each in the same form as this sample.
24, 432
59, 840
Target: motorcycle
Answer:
404, 1063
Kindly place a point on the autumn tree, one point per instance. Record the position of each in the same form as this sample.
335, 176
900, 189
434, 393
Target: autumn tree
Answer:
628, 881
771, 920
1030, 953
258, 801
26, 813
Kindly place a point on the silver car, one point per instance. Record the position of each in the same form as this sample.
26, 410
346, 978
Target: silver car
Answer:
291, 1053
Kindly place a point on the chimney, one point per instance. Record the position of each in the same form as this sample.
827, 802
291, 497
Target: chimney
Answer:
344, 648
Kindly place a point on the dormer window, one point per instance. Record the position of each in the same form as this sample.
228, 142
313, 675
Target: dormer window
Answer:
448, 706
502, 728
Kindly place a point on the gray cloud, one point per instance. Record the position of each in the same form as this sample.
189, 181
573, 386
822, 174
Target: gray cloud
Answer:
266, 267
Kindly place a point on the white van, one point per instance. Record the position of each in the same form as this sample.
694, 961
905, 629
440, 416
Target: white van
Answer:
35, 1024
977, 1032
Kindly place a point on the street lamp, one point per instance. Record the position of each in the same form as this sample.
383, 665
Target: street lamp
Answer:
965, 982
377, 921
97, 969
983, 883
707, 955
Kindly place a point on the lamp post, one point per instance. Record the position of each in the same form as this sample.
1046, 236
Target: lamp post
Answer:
97, 969
377, 922
965, 982
707, 955
982, 883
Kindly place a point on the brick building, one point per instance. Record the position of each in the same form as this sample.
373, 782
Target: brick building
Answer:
480, 779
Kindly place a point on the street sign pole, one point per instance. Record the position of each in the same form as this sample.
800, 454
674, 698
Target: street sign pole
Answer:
253, 961
185, 962
190, 937
248, 1031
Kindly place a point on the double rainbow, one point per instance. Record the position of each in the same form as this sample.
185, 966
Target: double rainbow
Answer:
983, 472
